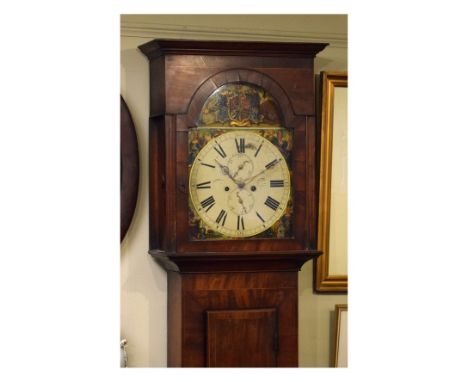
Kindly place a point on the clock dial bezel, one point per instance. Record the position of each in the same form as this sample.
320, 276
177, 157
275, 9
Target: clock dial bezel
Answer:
256, 214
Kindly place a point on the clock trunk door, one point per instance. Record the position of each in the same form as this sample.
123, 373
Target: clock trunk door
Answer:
242, 338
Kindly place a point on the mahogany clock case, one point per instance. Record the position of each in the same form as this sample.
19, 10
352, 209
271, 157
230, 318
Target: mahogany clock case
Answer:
230, 302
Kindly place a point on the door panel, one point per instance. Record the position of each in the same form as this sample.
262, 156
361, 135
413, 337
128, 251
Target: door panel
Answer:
242, 338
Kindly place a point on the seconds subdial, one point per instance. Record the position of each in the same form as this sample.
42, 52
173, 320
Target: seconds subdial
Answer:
241, 202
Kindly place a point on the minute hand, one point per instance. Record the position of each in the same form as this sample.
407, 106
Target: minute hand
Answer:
268, 166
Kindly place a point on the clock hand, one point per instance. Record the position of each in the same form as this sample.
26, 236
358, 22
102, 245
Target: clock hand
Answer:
225, 171
241, 202
241, 166
273, 164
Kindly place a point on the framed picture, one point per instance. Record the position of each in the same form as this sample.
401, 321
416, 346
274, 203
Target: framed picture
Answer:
331, 268
340, 355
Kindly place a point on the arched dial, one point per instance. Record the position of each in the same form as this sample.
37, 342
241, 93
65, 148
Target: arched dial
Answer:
239, 184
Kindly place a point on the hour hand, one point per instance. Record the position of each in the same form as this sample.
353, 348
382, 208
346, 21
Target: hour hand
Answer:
241, 166
225, 170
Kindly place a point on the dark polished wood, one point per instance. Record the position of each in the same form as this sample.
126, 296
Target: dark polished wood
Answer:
129, 168
183, 75
253, 329
156, 48
201, 293
233, 261
230, 302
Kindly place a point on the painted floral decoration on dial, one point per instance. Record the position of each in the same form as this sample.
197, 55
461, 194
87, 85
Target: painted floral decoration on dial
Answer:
240, 183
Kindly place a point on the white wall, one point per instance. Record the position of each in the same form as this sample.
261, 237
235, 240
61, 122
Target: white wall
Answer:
143, 282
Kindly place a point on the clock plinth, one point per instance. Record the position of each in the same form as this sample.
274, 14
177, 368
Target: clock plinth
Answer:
233, 186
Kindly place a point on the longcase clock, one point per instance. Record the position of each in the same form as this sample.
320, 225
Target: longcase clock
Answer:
232, 187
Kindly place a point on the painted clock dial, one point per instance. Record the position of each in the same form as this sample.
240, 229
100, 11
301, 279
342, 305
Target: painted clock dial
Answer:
239, 184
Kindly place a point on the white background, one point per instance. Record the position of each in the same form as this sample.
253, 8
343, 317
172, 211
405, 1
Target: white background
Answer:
59, 205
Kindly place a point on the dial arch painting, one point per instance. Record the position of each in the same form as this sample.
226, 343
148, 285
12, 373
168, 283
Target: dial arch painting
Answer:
240, 104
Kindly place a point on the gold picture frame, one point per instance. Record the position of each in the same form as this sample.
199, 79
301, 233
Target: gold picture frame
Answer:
326, 280
340, 354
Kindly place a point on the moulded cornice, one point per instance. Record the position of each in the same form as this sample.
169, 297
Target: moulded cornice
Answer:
158, 47
174, 31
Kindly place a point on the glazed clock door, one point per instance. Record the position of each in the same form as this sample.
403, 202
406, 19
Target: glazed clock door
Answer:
239, 169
